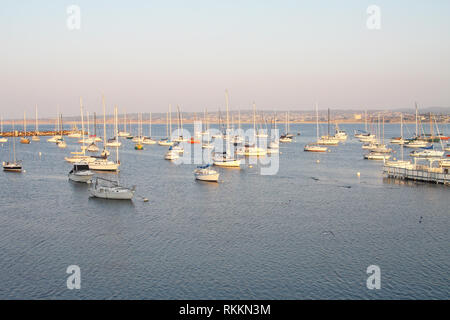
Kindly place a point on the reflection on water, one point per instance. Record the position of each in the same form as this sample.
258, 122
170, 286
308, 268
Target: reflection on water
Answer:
310, 231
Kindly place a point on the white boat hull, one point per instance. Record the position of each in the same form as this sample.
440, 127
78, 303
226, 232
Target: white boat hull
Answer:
81, 177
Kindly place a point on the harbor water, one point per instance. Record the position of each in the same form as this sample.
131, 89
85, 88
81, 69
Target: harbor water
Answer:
310, 231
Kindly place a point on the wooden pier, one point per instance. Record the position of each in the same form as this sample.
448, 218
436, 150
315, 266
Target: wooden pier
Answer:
419, 173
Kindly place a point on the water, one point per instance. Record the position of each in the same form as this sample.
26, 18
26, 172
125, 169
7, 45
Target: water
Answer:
308, 232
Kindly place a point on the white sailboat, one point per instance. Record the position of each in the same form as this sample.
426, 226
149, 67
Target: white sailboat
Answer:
286, 137
35, 137
149, 140
206, 141
252, 150
111, 190
180, 137
167, 141
102, 163
328, 140
400, 163
114, 142
205, 173
61, 142
225, 159
315, 147
80, 156
56, 137
13, 165
24, 139
171, 154
124, 133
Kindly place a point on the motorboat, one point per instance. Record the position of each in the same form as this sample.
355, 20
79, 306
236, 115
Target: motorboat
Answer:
81, 173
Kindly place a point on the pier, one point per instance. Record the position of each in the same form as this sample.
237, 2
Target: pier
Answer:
33, 133
419, 173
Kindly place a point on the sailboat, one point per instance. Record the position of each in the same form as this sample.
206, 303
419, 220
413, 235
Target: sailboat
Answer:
206, 142
111, 190
225, 159
102, 163
364, 136
138, 145
180, 127
14, 165
172, 154
35, 137
286, 137
316, 147
79, 156
93, 147
24, 139
2, 138
114, 142
61, 142
274, 146
56, 137
252, 149
328, 140
429, 152
124, 133
399, 140
167, 141
149, 140
205, 173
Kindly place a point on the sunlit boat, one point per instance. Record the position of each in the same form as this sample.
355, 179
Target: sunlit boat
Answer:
377, 156
171, 154
313, 147
205, 173
81, 173
224, 160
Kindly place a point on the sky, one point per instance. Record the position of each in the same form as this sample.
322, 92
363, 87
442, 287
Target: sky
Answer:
285, 54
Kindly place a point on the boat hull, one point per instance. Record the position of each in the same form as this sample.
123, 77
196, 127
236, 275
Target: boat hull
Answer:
82, 178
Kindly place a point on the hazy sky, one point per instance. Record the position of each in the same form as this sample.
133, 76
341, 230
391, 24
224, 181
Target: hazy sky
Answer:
280, 54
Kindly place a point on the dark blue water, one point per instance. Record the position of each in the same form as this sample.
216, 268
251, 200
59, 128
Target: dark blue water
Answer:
308, 232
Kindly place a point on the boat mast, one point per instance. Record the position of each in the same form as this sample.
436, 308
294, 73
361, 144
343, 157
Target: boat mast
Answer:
82, 124
116, 129
104, 122
228, 117
365, 120
328, 122
417, 125
14, 143
24, 125
95, 124
170, 122
36, 128
317, 121
401, 132
150, 125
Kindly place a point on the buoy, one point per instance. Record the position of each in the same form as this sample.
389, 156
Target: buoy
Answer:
145, 200
250, 166
40, 154
358, 174
318, 161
